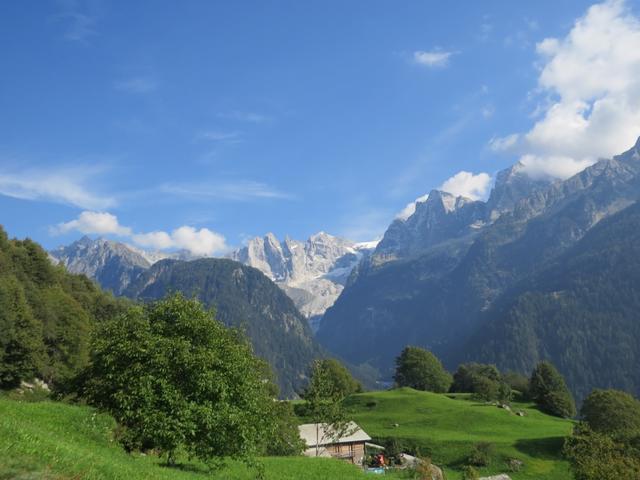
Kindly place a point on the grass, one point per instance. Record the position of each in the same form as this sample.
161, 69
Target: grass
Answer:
49, 440
446, 428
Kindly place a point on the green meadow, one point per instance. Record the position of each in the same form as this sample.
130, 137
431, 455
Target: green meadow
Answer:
446, 427
50, 440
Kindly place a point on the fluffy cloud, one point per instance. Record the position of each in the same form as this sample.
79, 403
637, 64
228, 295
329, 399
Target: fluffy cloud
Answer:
100, 223
201, 242
410, 209
468, 185
432, 59
61, 186
591, 82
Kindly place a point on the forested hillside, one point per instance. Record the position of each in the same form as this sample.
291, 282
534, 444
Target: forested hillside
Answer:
46, 315
243, 297
581, 311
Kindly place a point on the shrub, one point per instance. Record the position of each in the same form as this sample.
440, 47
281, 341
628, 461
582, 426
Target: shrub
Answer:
470, 473
480, 455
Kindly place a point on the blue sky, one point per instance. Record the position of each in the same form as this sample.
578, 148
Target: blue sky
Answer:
233, 119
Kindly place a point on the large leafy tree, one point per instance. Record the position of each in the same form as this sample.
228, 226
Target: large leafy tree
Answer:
420, 369
174, 377
612, 412
597, 456
339, 378
549, 390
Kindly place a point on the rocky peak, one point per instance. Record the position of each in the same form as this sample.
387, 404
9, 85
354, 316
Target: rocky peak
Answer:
442, 216
512, 184
311, 272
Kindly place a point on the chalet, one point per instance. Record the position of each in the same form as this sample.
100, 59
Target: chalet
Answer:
322, 441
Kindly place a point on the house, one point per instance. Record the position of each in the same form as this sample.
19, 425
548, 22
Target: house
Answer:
322, 441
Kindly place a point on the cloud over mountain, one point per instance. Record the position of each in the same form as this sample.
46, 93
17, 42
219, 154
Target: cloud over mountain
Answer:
589, 84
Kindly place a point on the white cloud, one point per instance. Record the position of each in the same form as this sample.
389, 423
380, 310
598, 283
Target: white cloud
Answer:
136, 85
201, 242
67, 186
197, 241
410, 209
502, 144
468, 185
592, 78
241, 190
101, 223
433, 58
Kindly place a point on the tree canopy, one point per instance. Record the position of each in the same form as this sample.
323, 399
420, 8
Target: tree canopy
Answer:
420, 369
174, 377
612, 412
46, 315
549, 390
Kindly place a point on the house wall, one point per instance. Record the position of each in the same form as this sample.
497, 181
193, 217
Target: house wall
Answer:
352, 452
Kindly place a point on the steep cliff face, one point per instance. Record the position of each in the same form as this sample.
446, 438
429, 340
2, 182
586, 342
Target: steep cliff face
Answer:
313, 273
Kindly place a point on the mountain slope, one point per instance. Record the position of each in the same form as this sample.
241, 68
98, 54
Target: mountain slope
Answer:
438, 298
244, 297
580, 312
112, 264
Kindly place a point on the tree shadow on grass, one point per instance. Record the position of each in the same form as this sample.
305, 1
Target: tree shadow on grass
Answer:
186, 467
549, 448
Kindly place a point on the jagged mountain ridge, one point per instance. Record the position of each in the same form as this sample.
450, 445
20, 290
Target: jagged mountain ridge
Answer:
313, 273
436, 297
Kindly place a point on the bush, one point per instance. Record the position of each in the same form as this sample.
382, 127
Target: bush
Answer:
470, 473
286, 439
420, 369
597, 456
518, 383
480, 456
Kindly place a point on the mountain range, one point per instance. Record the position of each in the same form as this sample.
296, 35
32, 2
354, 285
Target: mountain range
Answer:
308, 277
458, 277
511, 280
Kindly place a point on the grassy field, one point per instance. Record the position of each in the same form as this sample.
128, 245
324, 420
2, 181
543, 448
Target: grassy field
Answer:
446, 429
47, 440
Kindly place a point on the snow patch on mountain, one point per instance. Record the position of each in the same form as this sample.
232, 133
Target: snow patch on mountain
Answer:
312, 272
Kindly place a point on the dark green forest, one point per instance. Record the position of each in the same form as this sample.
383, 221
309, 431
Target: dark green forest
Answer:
46, 315
246, 299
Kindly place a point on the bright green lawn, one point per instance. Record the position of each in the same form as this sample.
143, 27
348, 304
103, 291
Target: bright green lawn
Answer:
48, 440
446, 429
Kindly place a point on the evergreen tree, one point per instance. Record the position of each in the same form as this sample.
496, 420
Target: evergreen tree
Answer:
549, 390
420, 369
